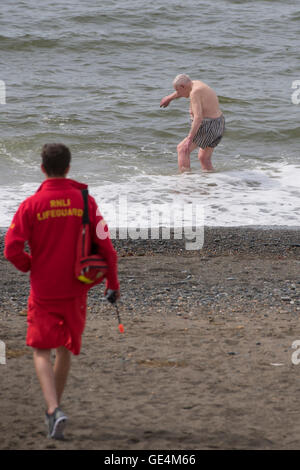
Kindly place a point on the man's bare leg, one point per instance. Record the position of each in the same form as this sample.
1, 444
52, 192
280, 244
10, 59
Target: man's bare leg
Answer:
184, 162
204, 157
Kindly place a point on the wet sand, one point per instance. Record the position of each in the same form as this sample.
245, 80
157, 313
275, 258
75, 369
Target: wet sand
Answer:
205, 361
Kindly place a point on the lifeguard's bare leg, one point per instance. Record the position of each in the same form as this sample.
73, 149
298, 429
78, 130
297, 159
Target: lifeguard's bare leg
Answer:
52, 379
61, 370
45, 373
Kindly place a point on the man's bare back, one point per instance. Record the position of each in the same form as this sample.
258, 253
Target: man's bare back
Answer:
208, 100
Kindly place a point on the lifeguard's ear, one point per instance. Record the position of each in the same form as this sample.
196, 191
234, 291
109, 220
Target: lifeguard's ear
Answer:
43, 169
67, 170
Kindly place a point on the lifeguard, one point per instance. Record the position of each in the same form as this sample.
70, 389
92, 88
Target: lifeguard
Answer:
50, 221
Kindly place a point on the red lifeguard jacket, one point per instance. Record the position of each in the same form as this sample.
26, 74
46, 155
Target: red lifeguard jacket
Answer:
50, 221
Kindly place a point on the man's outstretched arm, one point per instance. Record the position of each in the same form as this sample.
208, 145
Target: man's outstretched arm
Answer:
167, 99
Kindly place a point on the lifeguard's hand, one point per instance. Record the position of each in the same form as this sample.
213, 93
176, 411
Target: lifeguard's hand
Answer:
165, 102
112, 295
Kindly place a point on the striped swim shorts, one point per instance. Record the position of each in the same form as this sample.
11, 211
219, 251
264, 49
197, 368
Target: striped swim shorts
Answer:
210, 132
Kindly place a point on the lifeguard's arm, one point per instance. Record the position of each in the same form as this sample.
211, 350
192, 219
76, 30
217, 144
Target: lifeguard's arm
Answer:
15, 238
167, 99
101, 238
196, 111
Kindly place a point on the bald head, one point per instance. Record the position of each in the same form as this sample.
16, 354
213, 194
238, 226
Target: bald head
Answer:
181, 79
183, 85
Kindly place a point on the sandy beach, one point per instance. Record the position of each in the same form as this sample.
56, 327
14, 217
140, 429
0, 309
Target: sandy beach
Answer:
205, 361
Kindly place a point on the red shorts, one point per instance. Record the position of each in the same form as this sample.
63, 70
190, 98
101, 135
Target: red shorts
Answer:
57, 322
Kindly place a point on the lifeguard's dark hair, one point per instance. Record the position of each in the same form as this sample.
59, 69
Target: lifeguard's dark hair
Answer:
56, 159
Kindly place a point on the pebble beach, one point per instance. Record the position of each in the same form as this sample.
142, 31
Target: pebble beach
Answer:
207, 359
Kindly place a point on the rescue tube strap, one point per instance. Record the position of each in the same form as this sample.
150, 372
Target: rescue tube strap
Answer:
85, 217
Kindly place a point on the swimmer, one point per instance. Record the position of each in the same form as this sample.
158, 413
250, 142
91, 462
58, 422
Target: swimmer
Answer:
208, 122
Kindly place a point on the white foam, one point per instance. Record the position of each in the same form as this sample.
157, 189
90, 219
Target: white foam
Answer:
10, 199
266, 196
269, 196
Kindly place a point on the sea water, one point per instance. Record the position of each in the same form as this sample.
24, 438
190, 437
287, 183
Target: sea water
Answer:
91, 75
